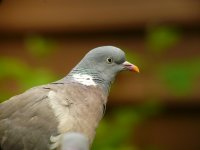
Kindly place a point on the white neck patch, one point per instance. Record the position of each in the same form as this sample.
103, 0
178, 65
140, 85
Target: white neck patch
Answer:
84, 79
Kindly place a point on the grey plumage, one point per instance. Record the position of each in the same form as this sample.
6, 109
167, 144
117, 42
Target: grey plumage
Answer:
38, 118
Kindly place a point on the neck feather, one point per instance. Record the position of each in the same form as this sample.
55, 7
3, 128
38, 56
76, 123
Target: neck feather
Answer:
89, 78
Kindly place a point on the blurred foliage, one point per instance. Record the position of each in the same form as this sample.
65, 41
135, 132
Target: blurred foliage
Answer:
181, 76
39, 46
24, 75
161, 38
178, 76
116, 129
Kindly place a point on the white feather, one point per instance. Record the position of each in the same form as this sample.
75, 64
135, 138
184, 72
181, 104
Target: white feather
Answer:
58, 102
84, 79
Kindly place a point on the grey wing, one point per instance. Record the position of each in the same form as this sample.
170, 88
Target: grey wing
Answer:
27, 121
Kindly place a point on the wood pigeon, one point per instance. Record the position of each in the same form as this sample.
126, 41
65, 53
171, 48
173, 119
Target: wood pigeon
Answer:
39, 118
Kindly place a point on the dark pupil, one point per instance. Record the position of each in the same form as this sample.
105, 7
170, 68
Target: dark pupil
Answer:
109, 59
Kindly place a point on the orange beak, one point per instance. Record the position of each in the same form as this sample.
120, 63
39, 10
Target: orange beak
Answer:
127, 65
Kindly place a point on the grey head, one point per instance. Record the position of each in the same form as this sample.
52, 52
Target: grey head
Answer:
103, 64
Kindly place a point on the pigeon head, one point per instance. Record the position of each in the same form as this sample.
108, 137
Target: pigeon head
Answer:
101, 65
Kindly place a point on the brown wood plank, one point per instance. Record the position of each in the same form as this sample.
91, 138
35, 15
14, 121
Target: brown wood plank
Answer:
62, 15
169, 132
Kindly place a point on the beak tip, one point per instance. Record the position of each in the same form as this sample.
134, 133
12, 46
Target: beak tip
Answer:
136, 69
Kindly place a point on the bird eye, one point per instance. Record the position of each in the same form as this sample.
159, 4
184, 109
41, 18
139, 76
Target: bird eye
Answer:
109, 60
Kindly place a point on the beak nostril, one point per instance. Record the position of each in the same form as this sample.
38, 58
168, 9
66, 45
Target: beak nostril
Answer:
127, 65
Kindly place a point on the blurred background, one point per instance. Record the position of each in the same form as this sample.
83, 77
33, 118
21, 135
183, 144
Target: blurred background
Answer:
158, 109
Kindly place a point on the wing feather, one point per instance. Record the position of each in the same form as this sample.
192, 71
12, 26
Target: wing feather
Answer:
26, 120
